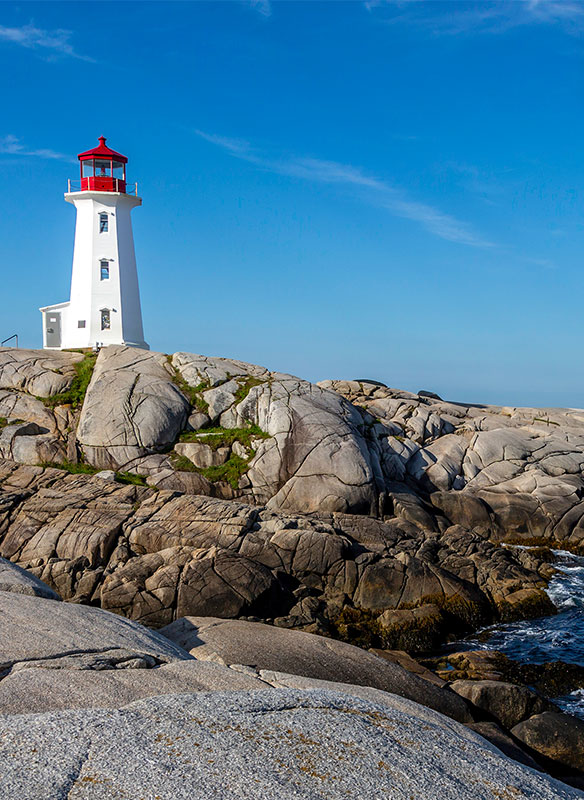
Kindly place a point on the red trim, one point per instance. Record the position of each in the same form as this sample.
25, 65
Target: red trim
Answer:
103, 184
102, 151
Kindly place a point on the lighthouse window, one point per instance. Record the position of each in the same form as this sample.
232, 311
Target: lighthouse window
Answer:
104, 270
87, 167
103, 223
105, 319
81, 323
102, 168
118, 170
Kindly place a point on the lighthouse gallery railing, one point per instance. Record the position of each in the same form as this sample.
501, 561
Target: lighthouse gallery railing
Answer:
121, 186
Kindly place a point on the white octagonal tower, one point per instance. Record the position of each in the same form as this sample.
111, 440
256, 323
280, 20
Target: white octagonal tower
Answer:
104, 307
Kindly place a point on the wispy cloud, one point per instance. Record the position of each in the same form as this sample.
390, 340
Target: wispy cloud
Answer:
488, 16
11, 145
264, 7
51, 43
372, 190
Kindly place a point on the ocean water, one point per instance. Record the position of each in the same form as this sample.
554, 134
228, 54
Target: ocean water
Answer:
557, 638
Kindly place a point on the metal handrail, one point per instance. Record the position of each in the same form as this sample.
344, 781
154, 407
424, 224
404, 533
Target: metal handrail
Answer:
14, 336
131, 188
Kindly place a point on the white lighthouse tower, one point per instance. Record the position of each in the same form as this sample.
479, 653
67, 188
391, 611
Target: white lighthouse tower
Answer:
105, 299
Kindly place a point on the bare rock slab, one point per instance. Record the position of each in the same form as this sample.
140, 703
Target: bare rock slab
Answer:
281, 650
263, 745
35, 690
33, 628
15, 579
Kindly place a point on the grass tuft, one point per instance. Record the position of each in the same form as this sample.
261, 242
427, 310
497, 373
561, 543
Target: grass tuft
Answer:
230, 472
86, 469
192, 393
75, 394
245, 387
217, 437
68, 466
131, 478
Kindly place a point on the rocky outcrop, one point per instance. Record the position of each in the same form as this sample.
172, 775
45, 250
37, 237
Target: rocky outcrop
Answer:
155, 555
510, 473
234, 430
93, 704
40, 373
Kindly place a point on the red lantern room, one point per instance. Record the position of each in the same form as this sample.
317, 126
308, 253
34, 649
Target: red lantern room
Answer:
102, 169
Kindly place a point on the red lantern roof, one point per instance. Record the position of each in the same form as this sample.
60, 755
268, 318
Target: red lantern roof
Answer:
102, 151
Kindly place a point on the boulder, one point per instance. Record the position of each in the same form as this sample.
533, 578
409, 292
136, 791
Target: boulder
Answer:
15, 579
316, 458
508, 746
282, 743
202, 455
299, 653
554, 735
508, 703
132, 407
417, 630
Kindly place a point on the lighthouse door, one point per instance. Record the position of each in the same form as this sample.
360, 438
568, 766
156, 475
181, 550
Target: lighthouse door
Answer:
53, 327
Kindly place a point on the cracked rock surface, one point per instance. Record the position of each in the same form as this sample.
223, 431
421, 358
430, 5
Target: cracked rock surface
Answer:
157, 555
339, 446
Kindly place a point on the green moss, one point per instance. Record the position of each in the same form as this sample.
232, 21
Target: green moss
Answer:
230, 472
182, 463
68, 466
217, 437
131, 478
86, 469
245, 386
75, 394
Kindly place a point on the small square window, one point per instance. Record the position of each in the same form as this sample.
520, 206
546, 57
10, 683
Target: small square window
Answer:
81, 323
104, 270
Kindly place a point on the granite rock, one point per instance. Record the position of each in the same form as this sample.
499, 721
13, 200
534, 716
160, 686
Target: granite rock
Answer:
281, 743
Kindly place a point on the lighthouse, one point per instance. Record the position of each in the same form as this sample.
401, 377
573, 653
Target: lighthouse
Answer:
104, 306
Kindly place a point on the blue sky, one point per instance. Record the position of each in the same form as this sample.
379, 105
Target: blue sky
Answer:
357, 189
